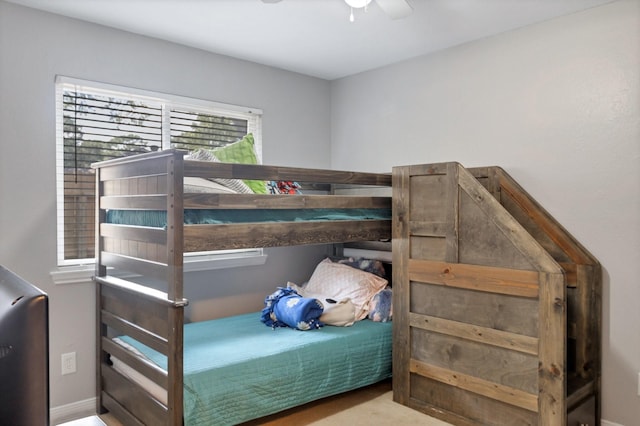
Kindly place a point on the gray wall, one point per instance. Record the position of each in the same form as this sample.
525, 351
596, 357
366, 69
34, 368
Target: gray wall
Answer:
34, 48
557, 105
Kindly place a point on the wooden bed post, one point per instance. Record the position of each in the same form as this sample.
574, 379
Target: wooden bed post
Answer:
100, 271
401, 299
175, 232
552, 371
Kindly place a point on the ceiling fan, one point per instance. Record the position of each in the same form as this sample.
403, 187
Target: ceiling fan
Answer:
395, 9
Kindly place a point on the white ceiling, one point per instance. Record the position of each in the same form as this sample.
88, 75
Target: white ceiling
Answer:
314, 37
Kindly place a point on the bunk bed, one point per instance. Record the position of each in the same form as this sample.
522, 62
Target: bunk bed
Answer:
141, 332
497, 308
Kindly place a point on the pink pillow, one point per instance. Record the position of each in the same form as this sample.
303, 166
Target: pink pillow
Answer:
338, 282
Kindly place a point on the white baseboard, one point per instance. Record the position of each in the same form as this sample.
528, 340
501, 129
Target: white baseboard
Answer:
607, 423
73, 411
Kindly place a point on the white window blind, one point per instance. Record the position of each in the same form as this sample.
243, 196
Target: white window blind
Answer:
97, 122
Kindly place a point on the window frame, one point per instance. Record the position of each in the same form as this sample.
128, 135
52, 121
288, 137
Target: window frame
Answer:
78, 270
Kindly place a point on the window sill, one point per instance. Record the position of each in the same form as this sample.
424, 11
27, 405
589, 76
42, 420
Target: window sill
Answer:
75, 274
79, 274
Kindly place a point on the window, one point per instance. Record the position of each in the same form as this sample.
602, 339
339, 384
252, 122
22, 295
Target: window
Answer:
98, 122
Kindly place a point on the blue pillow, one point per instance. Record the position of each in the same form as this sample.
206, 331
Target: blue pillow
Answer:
381, 308
286, 308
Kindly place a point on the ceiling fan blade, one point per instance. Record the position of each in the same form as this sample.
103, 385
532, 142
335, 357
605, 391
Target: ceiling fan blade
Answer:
396, 9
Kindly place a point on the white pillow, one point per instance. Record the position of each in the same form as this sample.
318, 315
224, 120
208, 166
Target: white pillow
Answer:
236, 185
200, 185
341, 313
339, 282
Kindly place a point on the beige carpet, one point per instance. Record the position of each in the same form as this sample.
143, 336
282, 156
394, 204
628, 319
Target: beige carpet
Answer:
371, 406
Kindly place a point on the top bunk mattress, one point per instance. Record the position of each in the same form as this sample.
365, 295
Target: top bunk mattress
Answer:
158, 219
237, 369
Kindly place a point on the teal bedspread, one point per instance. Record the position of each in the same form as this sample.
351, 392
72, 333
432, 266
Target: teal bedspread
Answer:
237, 369
156, 218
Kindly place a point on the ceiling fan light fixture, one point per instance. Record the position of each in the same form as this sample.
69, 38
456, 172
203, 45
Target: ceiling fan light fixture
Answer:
357, 4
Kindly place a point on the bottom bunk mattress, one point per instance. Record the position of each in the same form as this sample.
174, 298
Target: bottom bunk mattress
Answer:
237, 369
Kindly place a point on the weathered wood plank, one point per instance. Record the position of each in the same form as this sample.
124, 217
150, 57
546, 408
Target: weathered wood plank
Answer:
400, 256
140, 266
460, 407
543, 219
134, 233
428, 199
147, 167
512, 314
480, 278
588, 319
146, 368
552, 354
470, 383
137, 165
570, 273
136, 249
140, 291
256, 201
175, 360
141, 311
157, 342
132, 398
494, 364
249, 235
206, 169
142, 185
428, 248
118, 411
485, 335
504, 222
427, 169
175, 228
452, 204
578, 390
429, 229
431, 407
135, 202
482, 243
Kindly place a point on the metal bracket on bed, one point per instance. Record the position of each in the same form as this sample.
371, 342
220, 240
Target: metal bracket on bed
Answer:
140, 290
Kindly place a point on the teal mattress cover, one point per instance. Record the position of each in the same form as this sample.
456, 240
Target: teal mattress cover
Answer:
237, 369
158, 218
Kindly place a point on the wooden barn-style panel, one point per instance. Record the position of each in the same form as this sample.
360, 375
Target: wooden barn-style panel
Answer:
491, 323
582, 271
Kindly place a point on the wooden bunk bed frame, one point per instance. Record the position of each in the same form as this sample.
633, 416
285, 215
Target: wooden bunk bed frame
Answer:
155, 318
497, 308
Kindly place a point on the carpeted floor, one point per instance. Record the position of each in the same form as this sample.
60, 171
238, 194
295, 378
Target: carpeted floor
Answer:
371, 406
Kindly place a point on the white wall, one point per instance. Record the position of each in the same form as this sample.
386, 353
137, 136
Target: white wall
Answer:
557, 105
37, 46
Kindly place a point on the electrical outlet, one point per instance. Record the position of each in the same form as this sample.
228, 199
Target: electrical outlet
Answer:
68, 363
